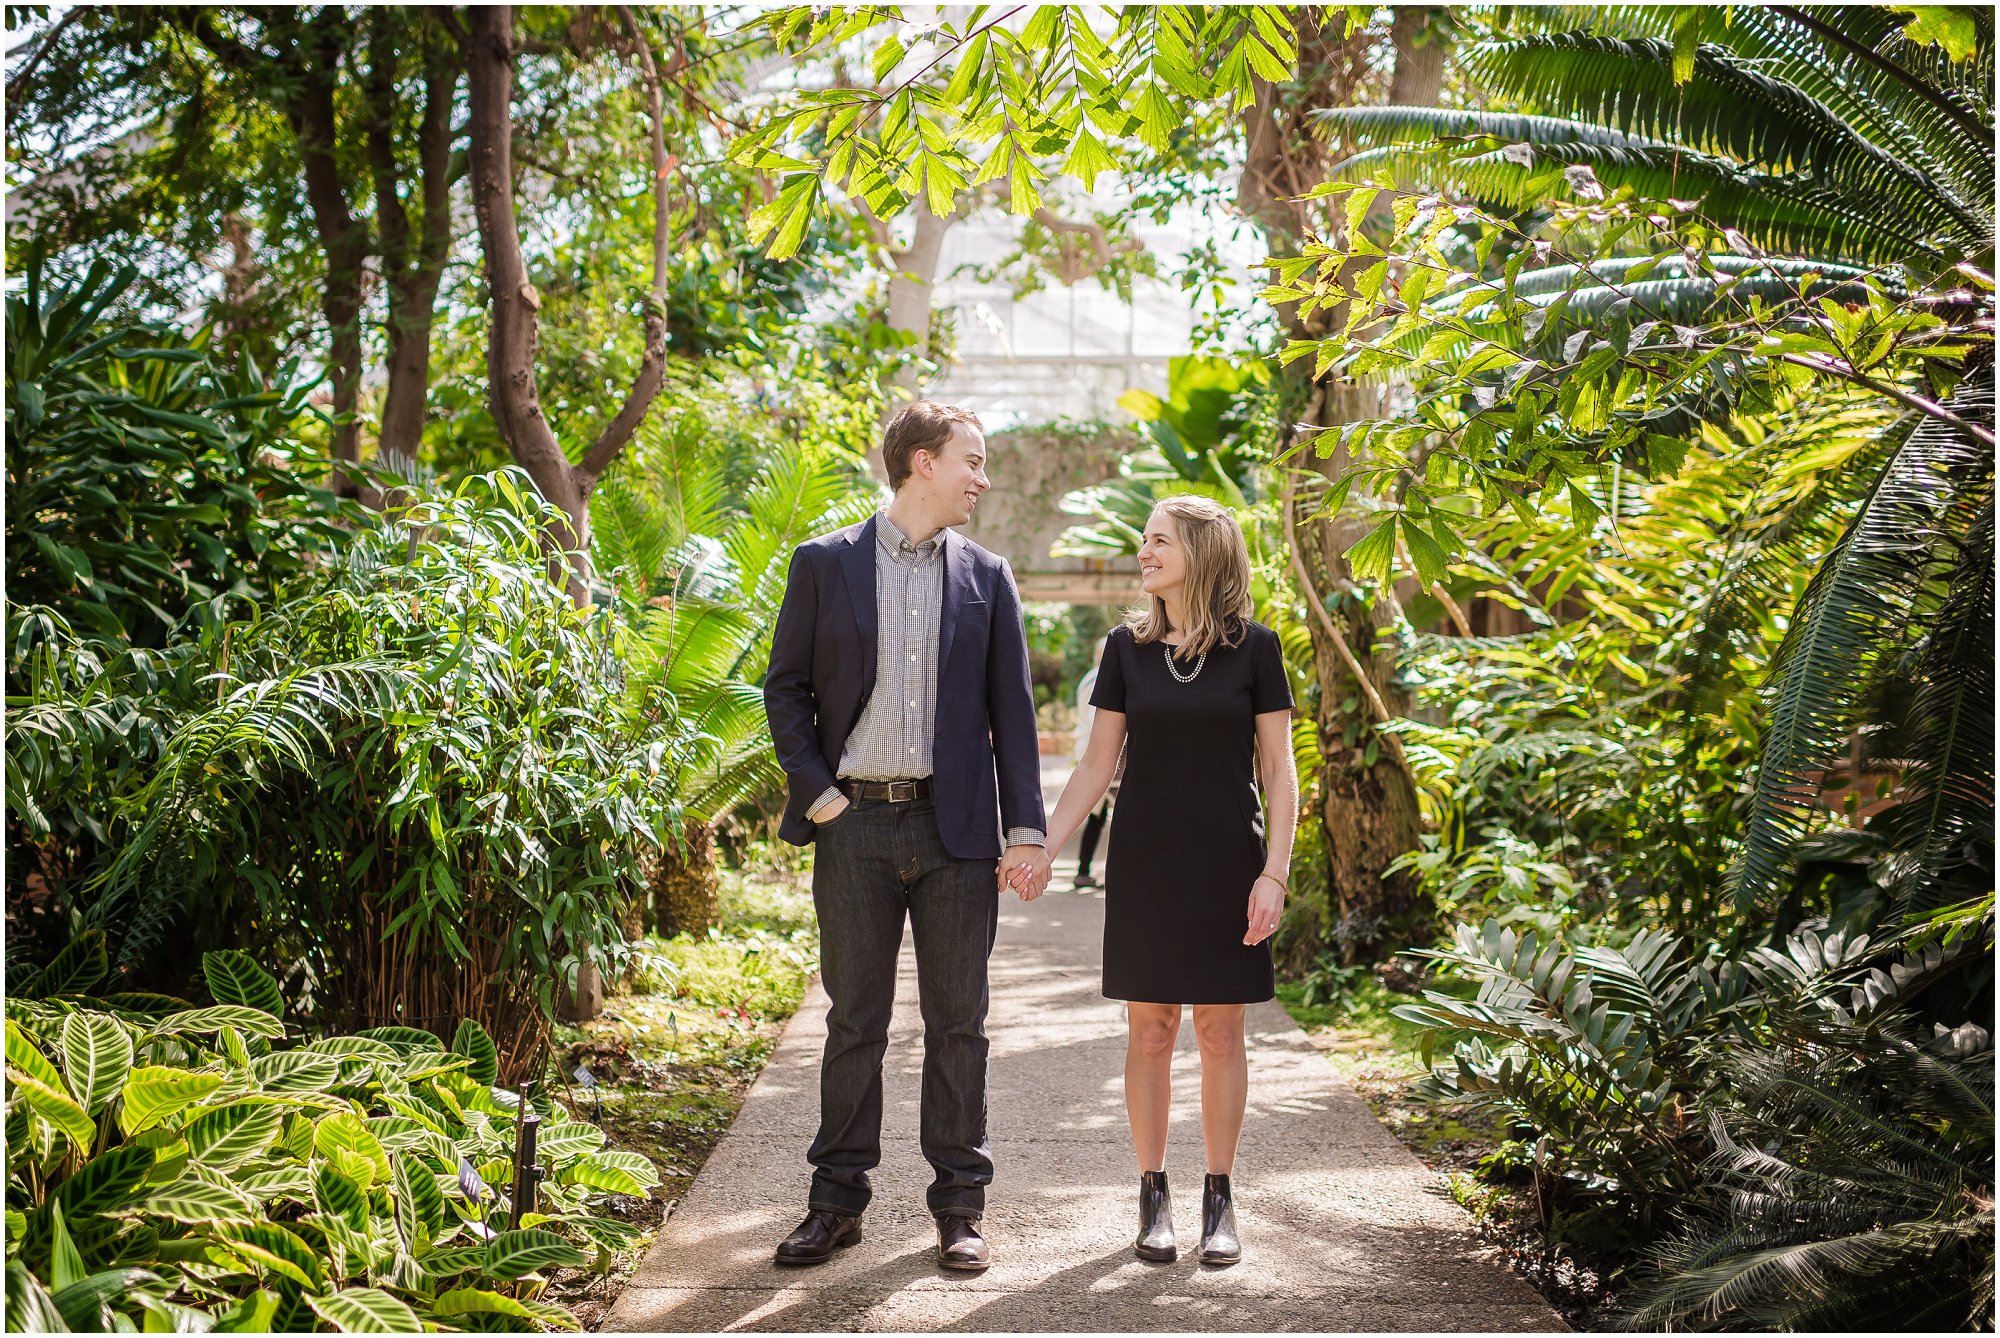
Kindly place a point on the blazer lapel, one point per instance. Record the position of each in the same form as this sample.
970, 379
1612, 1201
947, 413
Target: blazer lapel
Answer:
957, 588
857, 568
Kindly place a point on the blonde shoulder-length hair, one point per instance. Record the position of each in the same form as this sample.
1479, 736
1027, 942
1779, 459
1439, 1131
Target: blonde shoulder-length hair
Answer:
1215, 597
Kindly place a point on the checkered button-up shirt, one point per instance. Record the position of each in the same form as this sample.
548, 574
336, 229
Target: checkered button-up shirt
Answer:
892, 739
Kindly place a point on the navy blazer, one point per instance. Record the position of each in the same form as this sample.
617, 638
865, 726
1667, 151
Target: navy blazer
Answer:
986, 770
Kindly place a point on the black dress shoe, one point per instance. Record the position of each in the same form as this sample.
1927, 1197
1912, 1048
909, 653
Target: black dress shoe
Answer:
1156, 1220
819, 1236
960, 1245
1218, 1223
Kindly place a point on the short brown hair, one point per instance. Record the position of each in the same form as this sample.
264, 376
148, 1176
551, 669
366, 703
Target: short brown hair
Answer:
922, 425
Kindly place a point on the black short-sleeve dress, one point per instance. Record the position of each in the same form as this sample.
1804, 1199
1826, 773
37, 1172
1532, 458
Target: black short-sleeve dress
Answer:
1187, 836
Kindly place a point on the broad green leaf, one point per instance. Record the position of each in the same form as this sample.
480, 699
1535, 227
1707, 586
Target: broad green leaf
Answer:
419, 1201
97, 1056
80, 966
153, 1092
253, 1314
1371, 557
65, 1264
83, 1302
234, 979
25, 1055
1949, 26
227, 1136
196, 1200
474, 1301
482, 1059
345, 1132
270, 1248
514, 1254
366, 1310
287, 1182
198, 1020
30, 1308
105, 1183
55, 1106
354, 1045
339, 1196
295, 1071
617, 1172
572, 1138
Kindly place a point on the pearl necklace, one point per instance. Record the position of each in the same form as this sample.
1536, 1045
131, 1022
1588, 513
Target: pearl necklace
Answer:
1199, 661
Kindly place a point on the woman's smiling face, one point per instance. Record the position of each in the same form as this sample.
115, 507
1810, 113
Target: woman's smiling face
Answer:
1162, 557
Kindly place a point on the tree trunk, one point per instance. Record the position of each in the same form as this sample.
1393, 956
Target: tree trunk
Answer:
512, 337
344, 238
413, 264
685, 885
1368, 807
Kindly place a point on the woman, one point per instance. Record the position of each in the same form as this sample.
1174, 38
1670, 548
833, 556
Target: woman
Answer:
1195, 693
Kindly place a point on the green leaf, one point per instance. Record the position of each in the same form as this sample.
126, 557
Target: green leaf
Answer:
30, 1308
1373, 555
572, 1138
227, 1136
65, 1264
1424, 551
338, 1196
25, 1055
84, 1302
1948, 26
153, 1092
345, 1132
252, 1020
76, 969
97, 1056
616, 1172
253, 1314
269, 1248
513, 1254
196, 1200
234, 979
296, 1071
405, 1038
419, 1201
475, 1301
105, 1183
367, 1311
483, 1060
56, 1107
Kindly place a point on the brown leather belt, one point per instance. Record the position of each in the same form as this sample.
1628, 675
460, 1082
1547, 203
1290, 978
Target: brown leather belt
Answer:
896, 792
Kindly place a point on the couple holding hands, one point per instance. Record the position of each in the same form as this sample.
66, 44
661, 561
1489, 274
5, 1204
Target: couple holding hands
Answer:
900, 706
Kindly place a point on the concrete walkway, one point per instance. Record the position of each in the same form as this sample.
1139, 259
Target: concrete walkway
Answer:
1342, 1228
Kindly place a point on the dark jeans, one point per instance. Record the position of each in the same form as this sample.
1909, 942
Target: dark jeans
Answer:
875, 864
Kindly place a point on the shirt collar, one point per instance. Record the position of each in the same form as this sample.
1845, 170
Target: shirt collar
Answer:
895, 543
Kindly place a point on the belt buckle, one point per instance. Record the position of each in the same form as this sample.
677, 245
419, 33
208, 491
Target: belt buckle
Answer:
909, 792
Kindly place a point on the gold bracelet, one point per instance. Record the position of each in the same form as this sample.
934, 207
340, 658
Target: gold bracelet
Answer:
1282, 887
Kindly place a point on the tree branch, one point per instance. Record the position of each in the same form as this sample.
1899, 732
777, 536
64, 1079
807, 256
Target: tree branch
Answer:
1930, 408
652, 365
1382, 713
47, 44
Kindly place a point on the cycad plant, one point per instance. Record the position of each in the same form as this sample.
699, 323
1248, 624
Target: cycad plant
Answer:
1851, 1190
697, 529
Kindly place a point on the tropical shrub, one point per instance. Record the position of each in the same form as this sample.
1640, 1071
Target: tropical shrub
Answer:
413, 773
172, 1166
696, 530
153, 493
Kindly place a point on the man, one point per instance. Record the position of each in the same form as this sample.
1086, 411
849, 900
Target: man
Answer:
900, 706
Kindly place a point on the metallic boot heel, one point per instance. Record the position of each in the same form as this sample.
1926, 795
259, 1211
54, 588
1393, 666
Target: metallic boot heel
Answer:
1218, 1223
1156, 1221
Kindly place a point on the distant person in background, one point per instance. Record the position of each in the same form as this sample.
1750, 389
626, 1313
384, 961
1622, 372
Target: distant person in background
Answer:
1093, 826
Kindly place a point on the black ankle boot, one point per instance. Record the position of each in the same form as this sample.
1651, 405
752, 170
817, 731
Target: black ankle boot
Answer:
1156, 1220
1218, 1223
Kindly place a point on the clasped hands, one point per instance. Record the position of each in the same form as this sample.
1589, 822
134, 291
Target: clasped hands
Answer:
1026, 869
